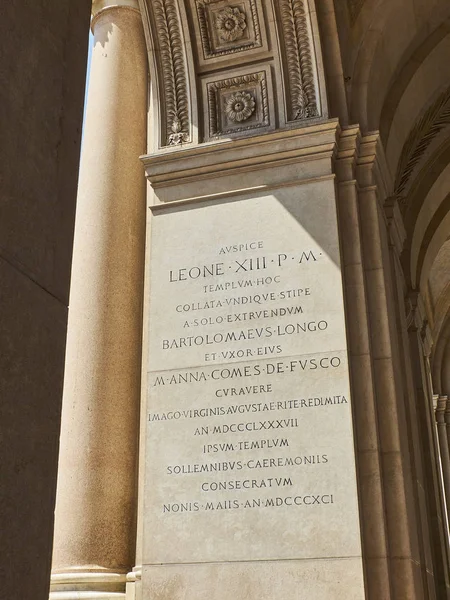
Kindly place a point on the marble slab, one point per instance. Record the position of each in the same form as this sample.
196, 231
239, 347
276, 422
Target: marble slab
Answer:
249, 443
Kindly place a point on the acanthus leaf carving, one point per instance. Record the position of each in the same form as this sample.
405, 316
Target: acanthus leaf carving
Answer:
174, 77
300, 67
424, 131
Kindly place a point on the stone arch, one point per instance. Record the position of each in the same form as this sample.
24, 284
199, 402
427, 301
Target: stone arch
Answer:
426, 213
387, 41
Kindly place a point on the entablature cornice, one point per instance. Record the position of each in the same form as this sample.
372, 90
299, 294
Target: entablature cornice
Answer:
275, 159
372, 166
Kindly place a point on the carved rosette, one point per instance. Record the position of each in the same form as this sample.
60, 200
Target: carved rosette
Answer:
174, 89
230, 24
299, 68
228, 27
238, 104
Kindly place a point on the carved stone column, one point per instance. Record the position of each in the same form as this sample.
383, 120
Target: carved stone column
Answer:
443, 444
395, 460
447, 420
417, 413
373, 511
425, 451
95, 508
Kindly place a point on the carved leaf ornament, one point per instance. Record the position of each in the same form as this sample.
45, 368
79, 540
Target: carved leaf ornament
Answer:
226, 28
298, 54
173, 70
423, 133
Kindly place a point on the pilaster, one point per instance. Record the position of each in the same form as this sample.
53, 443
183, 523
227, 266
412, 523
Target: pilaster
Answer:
373, 509
264, 204
440, 413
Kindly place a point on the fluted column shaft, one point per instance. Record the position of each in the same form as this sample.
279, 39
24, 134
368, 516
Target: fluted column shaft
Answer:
95, 508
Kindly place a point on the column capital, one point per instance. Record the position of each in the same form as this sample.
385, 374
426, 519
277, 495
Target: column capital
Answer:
435, 401
397, 231
447, 410
101, 5
415, 311
440, 409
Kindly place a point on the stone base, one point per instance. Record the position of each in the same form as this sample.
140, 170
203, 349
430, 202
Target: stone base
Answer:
263, 580
88, 585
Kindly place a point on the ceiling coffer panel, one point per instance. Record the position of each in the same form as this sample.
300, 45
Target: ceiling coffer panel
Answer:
253, 65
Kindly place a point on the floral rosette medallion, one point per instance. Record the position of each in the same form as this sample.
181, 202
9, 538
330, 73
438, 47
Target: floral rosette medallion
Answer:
240, 106
230, 24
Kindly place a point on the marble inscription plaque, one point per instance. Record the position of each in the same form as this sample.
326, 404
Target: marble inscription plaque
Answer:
249, 447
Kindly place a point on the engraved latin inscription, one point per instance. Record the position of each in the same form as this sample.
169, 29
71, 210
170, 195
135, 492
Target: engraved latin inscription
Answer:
248, 410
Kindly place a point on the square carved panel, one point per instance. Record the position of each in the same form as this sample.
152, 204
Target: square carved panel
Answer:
228, 26
238, 104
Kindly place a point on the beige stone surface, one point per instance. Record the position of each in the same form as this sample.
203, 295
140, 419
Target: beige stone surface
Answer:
271, 52
95, 509
229, 167
296, 580
249, 447
368, 460
383, 68
268, 510
293, 255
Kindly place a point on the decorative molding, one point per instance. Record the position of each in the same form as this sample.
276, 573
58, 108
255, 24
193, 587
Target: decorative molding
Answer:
300, 72
89, 585
101, 5
447, 412
441, 405
238, 104
435, 401
246, 34
175, 97
425, 130
397, 231
427, 339
409, 313
215, 47
416, 319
